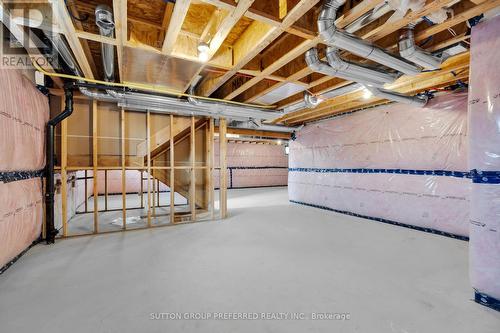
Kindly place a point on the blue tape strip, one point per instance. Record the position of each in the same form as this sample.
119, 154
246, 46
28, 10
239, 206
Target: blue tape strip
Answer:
378, 219
12, 176
485, 177
459, 174
486, 300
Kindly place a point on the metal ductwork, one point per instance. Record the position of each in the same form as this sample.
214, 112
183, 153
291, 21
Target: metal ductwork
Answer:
413, 53
364, 72
104, 20
353, 72
62, 48
369, 17
338, 38
310, 101
165, 104
397, 97
257, 125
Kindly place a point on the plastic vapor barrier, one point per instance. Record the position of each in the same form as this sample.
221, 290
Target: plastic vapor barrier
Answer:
253, 165
484, 161
21, 209
24, 111
132, 182
395, 163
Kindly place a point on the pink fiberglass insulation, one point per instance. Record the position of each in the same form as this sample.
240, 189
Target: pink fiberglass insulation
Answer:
484, 156
21, 209
132, 185
254, 165
361, 163
24, 111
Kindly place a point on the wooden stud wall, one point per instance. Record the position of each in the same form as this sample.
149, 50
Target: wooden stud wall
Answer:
199, 162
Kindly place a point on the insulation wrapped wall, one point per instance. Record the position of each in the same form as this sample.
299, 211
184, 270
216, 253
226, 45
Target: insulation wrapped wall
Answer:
132, 182
21, 209
484, 159
397, 163
24, 111
253, 165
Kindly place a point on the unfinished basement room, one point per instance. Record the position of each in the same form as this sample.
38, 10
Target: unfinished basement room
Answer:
250, 166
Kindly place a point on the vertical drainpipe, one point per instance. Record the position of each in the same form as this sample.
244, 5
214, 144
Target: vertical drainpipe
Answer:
50, 229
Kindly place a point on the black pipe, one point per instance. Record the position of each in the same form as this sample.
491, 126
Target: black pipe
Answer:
50, 229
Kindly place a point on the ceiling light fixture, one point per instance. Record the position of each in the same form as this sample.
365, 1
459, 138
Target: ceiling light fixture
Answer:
367, 94
203, 49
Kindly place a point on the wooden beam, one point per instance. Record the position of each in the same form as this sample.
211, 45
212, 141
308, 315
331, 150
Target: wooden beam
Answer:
180, 10
172, 171
192, 157
64, 176
278, 63
406, 84
210, 164
223, 28
123, 159
457, 19
93, 107
69, 31
96, 38
223, 168
251, 132
120, 16
256, 38
419, 37
342, 21
148, 140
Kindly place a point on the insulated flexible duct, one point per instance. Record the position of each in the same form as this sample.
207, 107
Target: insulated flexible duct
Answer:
336, 37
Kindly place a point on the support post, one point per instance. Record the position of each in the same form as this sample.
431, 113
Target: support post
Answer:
192, 187
172, 172
124, 182
93, 105
210, 167
223, 168
64, 176
148, 142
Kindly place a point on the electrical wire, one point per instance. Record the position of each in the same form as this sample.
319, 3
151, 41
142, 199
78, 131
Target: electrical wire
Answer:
147, 87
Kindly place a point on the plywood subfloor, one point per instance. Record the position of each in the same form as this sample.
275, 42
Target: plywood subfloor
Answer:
268, 256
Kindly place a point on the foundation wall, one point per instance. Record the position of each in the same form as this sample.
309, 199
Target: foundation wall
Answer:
254, 165
24, 112
396, 163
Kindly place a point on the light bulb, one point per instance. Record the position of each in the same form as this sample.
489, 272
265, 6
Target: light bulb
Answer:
203, 56
367, 94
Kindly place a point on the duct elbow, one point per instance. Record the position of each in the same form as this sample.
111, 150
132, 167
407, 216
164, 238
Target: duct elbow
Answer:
312, 60
310, 101
326, 19
191, 99
411, 52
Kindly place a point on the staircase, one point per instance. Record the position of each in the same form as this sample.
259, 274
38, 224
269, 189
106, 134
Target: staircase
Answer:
160, 156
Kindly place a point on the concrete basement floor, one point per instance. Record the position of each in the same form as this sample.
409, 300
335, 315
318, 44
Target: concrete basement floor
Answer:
268, 256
